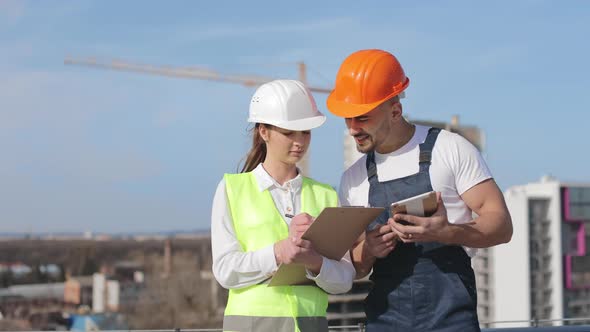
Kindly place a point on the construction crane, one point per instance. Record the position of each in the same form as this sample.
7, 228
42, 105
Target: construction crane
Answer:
195, 73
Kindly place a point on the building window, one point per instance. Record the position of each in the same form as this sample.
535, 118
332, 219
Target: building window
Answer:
577, 203
539, 242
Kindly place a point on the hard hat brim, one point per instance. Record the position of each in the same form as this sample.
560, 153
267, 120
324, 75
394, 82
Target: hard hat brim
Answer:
347, 110
297, 125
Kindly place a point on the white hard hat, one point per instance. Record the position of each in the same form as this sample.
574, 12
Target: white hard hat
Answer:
287, 104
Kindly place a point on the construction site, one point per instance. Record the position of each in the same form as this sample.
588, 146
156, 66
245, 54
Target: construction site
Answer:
164, 163
83, 261
159, 283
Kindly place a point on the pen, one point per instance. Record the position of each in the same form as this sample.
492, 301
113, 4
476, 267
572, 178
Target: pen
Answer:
289, 215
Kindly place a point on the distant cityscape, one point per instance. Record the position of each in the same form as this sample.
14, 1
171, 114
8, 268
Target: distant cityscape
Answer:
103, 235
84, 283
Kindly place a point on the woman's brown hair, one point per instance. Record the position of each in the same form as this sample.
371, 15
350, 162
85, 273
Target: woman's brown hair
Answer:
257, 153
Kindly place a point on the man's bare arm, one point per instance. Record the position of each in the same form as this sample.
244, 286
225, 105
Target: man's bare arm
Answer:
492, 226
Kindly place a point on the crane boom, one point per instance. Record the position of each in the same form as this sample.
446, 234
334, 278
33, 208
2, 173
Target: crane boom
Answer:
181, 72
194, 73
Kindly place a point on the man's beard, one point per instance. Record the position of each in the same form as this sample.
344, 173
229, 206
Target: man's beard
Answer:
366, 148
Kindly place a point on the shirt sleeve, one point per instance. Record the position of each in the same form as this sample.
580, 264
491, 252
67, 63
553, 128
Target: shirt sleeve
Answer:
232, 267
343, 191
470, 168
335, 277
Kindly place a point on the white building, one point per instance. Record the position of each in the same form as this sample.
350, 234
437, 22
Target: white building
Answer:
544, 272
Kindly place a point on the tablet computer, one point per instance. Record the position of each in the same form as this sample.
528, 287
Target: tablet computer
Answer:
423, 205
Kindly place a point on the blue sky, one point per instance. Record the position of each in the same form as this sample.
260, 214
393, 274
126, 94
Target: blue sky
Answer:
87, 149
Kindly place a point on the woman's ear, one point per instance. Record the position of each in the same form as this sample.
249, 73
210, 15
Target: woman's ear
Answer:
263, 132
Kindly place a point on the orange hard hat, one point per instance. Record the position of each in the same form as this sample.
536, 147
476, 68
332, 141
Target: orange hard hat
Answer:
366, 79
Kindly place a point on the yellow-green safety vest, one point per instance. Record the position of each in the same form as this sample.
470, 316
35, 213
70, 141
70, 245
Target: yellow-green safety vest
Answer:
257, 224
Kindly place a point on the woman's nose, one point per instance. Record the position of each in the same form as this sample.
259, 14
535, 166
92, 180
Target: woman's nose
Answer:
299, 139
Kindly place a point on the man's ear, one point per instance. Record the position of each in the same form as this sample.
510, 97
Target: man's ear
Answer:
396, 110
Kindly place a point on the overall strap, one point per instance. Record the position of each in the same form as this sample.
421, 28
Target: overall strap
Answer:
371, 168
426, 149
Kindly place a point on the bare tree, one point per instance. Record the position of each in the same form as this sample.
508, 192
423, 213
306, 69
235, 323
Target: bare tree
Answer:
181, 299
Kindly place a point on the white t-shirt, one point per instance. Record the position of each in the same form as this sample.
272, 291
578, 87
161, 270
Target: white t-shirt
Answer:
456, 167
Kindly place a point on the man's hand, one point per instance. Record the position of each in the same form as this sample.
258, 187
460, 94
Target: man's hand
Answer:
380, 241
435, 228
371, 245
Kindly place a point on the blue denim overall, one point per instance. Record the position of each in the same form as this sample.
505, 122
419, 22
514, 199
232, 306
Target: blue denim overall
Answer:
425, 286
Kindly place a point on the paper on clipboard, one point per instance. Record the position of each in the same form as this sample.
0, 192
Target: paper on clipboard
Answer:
332, 234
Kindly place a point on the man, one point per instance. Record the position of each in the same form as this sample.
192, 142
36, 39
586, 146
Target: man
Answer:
421, 266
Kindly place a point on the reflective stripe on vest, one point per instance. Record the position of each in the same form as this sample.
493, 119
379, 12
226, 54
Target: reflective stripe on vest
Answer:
249, 323
258, 224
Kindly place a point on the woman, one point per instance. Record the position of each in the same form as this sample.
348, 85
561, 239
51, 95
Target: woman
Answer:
259, 215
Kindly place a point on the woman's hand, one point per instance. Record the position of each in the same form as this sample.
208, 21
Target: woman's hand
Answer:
297, 250
299, 224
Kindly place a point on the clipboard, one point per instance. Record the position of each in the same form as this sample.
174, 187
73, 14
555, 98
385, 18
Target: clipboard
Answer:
332, 234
